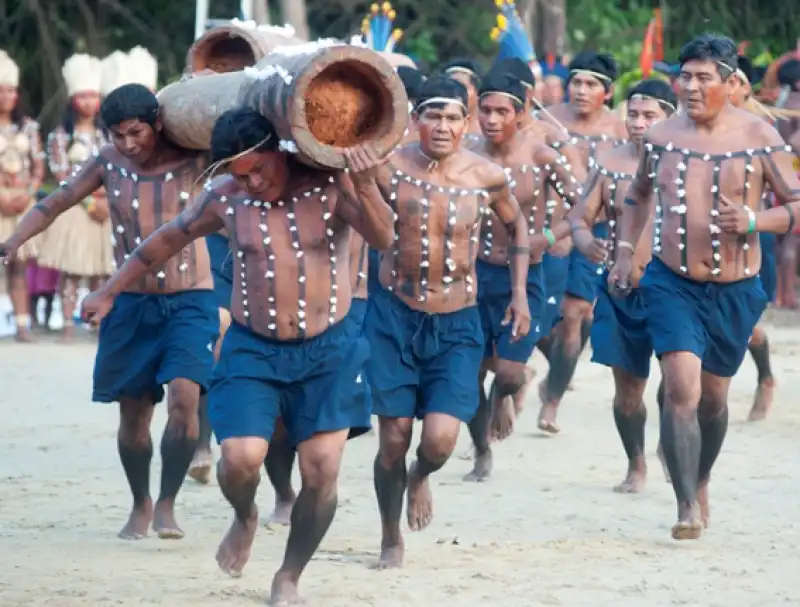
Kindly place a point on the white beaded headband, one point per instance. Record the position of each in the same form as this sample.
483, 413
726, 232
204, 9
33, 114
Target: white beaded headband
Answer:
461, 69
597, 75
211, 171
444, 100
643, 97
509, 95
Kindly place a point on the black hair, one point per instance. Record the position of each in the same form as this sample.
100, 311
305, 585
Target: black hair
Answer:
600, 63
499, 81
70, 117
746, 67
711, 47
241, 129
789, 74
759, 71
516, 68
658, 90
129, 102
442, 86
413, 79
465, 63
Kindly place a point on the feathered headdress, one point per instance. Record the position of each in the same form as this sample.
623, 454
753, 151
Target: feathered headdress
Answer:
137, 66
510, 33
377, 28
9, 70
82, 74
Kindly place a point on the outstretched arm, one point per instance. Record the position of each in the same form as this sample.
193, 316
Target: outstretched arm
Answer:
360, 202
201, 218
44, 213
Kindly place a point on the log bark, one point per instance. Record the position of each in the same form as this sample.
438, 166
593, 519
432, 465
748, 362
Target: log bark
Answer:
227, 48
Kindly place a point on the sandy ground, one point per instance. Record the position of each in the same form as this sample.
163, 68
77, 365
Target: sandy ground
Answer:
546, 530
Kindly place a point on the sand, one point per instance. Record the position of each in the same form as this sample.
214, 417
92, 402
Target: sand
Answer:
546, 530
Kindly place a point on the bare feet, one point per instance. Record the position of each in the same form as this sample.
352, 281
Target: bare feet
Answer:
282, 515
138, 522
468, 454
234, 551
67, 335
164, 523
503, 416
482, 469
24, 336
762, 401
548, 412
391, 556
419, 509
660, 456
284, 590
689, 525
519, 397
702, 500
201, 466
634, 482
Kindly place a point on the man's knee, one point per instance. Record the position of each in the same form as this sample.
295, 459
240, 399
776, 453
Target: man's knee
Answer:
242, 458
135, 417
319, 460
509, 378
395, 439
183, 400
439, 436
574, 310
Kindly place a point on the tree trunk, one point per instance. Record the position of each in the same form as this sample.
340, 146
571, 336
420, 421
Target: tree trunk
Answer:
553, 19
295, 14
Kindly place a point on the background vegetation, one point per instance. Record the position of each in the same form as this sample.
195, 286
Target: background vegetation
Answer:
40, 34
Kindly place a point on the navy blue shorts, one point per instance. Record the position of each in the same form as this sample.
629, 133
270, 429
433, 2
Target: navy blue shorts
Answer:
619, 333
315, 385
769, 267
713, 321
358, 310
556, 274
422, 363
373, 271
149, 340
494, 295
585, 277
219, 252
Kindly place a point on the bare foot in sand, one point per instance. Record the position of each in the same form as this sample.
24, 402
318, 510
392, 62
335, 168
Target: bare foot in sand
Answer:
282, 515
67, 335
284, 590
503, 416
762, 401
548, 412
138, 522
24, 336
660, 456
164, 523
482, 469
702, 500
391, 556
635, 481
689, 525
200, 468
234, 551
468, 455
419, 509
519, 397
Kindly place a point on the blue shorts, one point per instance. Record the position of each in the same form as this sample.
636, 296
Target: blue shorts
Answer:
619, 333
585, 277
149, 340
373, 271
556, 274
315, 385
494, 295
358, 310
422, 363
769, 267
219, 252
713, 321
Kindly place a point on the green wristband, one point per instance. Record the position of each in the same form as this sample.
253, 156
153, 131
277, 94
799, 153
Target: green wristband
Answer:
751, 225
548, 234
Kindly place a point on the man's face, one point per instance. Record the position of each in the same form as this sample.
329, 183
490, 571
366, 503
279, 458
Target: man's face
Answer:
498, 117
553, 90
440, 128
135, 139
740, 91
642, 113
263, 175
466, 80
703, 92
587, 93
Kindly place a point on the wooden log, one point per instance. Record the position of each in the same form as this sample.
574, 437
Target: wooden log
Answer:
231, 47
191, 106
324, 96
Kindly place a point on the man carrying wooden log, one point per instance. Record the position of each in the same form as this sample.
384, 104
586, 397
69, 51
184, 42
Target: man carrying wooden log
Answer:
294, 349
423, 324
163, 326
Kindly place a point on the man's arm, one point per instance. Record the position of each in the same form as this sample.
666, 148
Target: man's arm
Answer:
583, 215
560, 141
361, 204
45, 212
782, 179
638, 200
200, 218
506, 207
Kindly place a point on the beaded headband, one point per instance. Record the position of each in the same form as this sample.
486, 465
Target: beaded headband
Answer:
597, 75
642, 97
445, 100
509, 95
463, 70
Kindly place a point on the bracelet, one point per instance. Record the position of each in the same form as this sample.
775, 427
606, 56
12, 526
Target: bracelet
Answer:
548, 234
789, 210
624, 244
751, 220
